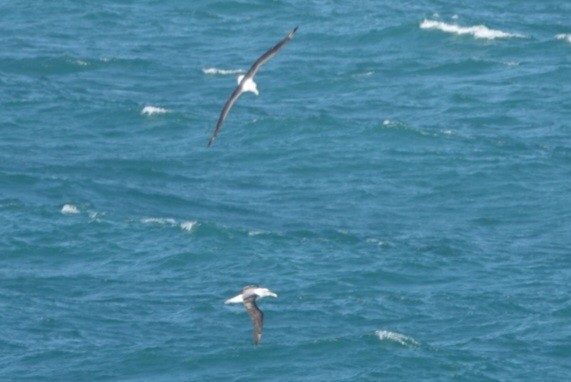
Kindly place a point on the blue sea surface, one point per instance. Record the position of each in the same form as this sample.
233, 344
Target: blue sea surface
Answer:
402, 182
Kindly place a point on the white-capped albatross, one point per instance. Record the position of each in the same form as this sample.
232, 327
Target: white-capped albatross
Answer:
248, 297
246, 82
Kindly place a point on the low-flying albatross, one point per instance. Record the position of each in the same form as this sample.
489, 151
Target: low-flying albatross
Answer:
246, 82
248, 297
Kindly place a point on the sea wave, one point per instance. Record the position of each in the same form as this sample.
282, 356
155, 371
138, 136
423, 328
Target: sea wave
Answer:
221, 71
564, 36
401, 339
69, 209
378, 242
150, 110
478, 31
188, 225
159, 221
80, 62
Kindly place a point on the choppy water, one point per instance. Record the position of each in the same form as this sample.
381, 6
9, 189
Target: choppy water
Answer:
402, 181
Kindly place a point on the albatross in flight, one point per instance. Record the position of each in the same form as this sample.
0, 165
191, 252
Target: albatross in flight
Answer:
246, 82
248, 296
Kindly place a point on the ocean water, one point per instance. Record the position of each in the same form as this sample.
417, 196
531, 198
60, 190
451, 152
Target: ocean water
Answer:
403, 182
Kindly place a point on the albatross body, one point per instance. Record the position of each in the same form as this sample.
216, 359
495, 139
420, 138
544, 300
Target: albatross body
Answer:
246, 82
248, 297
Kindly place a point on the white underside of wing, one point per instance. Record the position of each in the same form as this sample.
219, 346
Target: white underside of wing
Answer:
235, 300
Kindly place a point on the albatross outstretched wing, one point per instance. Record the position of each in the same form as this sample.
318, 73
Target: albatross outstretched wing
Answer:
251, 73
257, 317
225, 111
269, 54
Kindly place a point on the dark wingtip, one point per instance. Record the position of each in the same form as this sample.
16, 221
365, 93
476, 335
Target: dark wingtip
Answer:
294, 30
209, 142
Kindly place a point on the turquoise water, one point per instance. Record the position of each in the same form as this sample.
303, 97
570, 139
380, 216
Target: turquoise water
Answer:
402, 182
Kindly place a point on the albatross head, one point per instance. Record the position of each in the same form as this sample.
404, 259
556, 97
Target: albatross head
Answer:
249, 85
264, 292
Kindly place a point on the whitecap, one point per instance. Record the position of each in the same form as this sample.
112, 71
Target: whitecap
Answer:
188, 225
69, 209
401, 339
564, 36
95, 216
478, 31
387, 122
221, 71
159, 221
364, 74
150, 110
378, 242
81, 62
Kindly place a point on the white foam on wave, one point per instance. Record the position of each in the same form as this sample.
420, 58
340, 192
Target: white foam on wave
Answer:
221, 71
378, 242
81, 62
150, 110
69, 209
401, 339
159, 221
364, 74
188, 225
95, 216
564, 36
478, 31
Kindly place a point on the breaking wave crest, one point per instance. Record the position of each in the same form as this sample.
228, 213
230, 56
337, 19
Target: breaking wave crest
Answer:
150, 110
159, 221
69, 209
221, 71
478, 31
401, 339
187, 225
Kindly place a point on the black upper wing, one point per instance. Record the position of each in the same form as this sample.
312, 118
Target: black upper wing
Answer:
269, 54
233, 97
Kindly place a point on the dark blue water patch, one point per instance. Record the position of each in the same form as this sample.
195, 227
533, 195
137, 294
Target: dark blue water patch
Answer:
48, 66
562, 153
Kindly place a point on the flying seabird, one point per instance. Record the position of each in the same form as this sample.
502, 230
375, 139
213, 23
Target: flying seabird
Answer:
246, 82
248, 296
